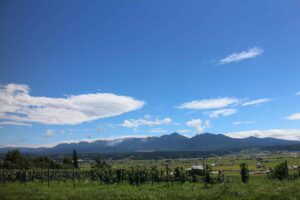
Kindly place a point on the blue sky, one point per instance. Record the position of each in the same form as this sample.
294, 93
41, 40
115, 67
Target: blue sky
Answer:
83, 70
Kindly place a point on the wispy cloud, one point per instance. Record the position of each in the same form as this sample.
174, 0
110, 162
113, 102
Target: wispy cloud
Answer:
15, 123
222, 112
295, 116
198, 124
243, 122
237, 57
146, 121
183, 131
205, 104
158, 130
18, 105
287, 134
257, 102
75, 141
298, 93
49, 133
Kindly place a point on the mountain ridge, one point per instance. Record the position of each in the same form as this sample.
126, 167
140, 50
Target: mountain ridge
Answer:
170, 142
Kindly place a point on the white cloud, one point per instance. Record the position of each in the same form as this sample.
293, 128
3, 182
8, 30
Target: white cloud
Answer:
287, 134
158, 130
15, 123
183, 131
205, 104
237, 57
74, 141
18, 105
257, 102
295, 116
222, 112
298, 93
146, 121
147, 116
198, 124
243, 122
49, 133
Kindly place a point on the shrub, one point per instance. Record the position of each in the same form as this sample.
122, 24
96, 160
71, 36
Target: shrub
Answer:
244, 172
280, 172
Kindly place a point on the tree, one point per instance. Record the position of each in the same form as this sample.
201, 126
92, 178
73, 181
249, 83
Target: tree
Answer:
75, 159
207, 175
179, 175
281, 171
221, 177
15, 160
154, 174
67, 163
100, 164
244, 172
45, 162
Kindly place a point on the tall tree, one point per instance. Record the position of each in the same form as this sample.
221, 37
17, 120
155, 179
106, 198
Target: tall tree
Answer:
281, 171
75, 159
15, 160
244, 172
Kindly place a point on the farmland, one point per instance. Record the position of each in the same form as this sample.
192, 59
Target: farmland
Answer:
257, 188
157, 179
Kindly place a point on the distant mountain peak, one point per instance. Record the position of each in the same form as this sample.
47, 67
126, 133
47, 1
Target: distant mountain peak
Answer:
171, 142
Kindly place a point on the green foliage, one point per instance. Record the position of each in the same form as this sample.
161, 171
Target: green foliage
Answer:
67, 163
280, 172
155, 174
221, 177
44, 162
180, 175
14, 160
259, 188
100, 164
244, 172
207, 179
75, 159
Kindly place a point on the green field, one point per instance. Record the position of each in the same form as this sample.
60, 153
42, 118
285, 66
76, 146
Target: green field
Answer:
257, 188
219, 163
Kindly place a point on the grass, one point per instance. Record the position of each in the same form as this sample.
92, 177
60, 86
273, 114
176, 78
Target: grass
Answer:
258, 188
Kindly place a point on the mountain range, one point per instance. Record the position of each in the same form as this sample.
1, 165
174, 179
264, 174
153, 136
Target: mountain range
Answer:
172, 142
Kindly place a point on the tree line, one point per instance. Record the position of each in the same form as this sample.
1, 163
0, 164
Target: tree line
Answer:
16, 167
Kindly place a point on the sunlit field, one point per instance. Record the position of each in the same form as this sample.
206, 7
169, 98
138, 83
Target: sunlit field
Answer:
149, 100
259, 186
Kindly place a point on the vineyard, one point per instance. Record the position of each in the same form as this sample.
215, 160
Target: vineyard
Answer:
45, 178
63, 186
107, 175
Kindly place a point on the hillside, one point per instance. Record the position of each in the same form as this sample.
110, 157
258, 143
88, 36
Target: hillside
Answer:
172, 142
